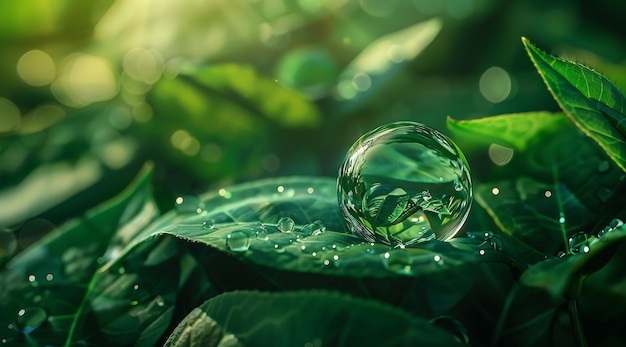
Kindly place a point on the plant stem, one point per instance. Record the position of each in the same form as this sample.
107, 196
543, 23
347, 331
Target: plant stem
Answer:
575, 323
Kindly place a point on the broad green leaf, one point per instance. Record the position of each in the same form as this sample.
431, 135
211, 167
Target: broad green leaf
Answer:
373, 67
54, 273
265, 97
595, 105
563, 277
516, 130
220, 122
237, 229
306, 318
540, 215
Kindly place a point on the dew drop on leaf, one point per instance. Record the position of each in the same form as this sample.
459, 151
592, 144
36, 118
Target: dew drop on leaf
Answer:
285, 225
578, 242
404, 182
30, 318
495, 243
312, 229
616, 223
238, 241
207, 224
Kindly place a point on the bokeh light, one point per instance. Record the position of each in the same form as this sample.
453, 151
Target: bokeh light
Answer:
85, 79
495, 84
10, 118
36, 68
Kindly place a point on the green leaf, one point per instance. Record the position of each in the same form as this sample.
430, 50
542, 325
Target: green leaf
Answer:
382, 59
517, 130
589, 99
563, 277
306, 318
54, 274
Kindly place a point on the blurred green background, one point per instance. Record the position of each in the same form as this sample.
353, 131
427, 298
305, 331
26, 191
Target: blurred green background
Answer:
224, 91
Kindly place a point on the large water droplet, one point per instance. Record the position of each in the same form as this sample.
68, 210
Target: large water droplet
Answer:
578, 243
616, 223
238, 241
30, 318
188, 204
285, 225
404, 182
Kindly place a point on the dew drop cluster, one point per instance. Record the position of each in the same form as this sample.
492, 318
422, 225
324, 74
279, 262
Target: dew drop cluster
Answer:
402, 183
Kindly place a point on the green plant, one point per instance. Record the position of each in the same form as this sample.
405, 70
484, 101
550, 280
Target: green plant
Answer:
271, 262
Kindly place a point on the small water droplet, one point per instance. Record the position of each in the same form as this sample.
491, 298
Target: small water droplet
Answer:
159, 301
616, 223
388, 191
397, 261
578, 242
482, 252
437, 258
30, 318
604, 231
276, 246
188, 204
313, 229
561, 254
562, 220
238, 241
207, 224
285, 225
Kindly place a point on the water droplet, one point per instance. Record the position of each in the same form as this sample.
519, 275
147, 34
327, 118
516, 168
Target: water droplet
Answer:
616, 223
188, 204
604, 231
495, 243
562, 220
238, 241
456, 328
403, 183
31, 318
312, 229
207, 225
437, 258
397, 261
285, 225
578, 242
482, 252
561, 254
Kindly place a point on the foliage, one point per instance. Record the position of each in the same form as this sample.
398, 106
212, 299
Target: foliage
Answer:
264, 257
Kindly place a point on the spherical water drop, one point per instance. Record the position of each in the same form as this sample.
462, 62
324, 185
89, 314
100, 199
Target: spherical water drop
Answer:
31, 318
404, 182
578, 243
285, 225
313, 229
188, 204
238, 241
207, 225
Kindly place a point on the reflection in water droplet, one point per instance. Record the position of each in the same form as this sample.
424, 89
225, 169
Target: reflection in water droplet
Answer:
285, 225
397, 261
188, 204
207, 225
238, 241
403, 183
578, 242
31, 318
